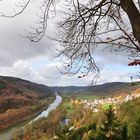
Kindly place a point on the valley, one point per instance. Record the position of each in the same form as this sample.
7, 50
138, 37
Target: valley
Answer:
72, 115
34, 116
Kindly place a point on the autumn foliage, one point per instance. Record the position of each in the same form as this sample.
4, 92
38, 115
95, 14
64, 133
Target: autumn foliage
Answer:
13, 116
19, 99
134, 62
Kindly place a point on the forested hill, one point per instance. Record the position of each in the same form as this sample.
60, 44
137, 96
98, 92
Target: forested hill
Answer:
69, 89
106, 89
16, 92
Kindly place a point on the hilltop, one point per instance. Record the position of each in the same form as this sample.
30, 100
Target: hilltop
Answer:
21, 99
16, 92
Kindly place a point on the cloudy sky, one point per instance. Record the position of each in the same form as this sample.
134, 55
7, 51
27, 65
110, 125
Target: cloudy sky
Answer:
35, 61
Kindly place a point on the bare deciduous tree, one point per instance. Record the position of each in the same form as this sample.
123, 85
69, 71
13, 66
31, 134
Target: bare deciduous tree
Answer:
89, 24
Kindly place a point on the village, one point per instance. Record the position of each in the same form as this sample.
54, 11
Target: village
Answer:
116, 100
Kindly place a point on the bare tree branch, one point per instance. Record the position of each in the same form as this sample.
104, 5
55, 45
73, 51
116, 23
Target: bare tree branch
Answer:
87, 25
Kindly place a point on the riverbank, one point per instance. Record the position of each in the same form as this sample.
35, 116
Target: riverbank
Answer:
50, 108
24, 113
7, 134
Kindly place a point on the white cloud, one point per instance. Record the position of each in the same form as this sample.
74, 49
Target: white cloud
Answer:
48, 74
21, 58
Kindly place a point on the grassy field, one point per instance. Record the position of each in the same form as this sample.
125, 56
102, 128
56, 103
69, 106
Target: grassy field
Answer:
68, 107
86, 97
106, 106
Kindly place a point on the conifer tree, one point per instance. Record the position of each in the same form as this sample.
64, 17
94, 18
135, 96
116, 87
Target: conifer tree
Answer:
111, 127
125, 132
136, 130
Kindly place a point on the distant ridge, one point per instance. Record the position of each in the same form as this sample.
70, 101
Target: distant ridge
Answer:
106, 89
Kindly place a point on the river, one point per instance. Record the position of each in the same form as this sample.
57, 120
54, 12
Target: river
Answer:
8, 133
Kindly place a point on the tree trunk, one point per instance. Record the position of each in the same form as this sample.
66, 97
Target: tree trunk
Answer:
134, 16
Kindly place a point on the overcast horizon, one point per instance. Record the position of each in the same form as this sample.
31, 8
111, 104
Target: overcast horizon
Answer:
35, 61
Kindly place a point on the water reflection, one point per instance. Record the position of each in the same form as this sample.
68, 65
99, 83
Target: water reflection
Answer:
51, 107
